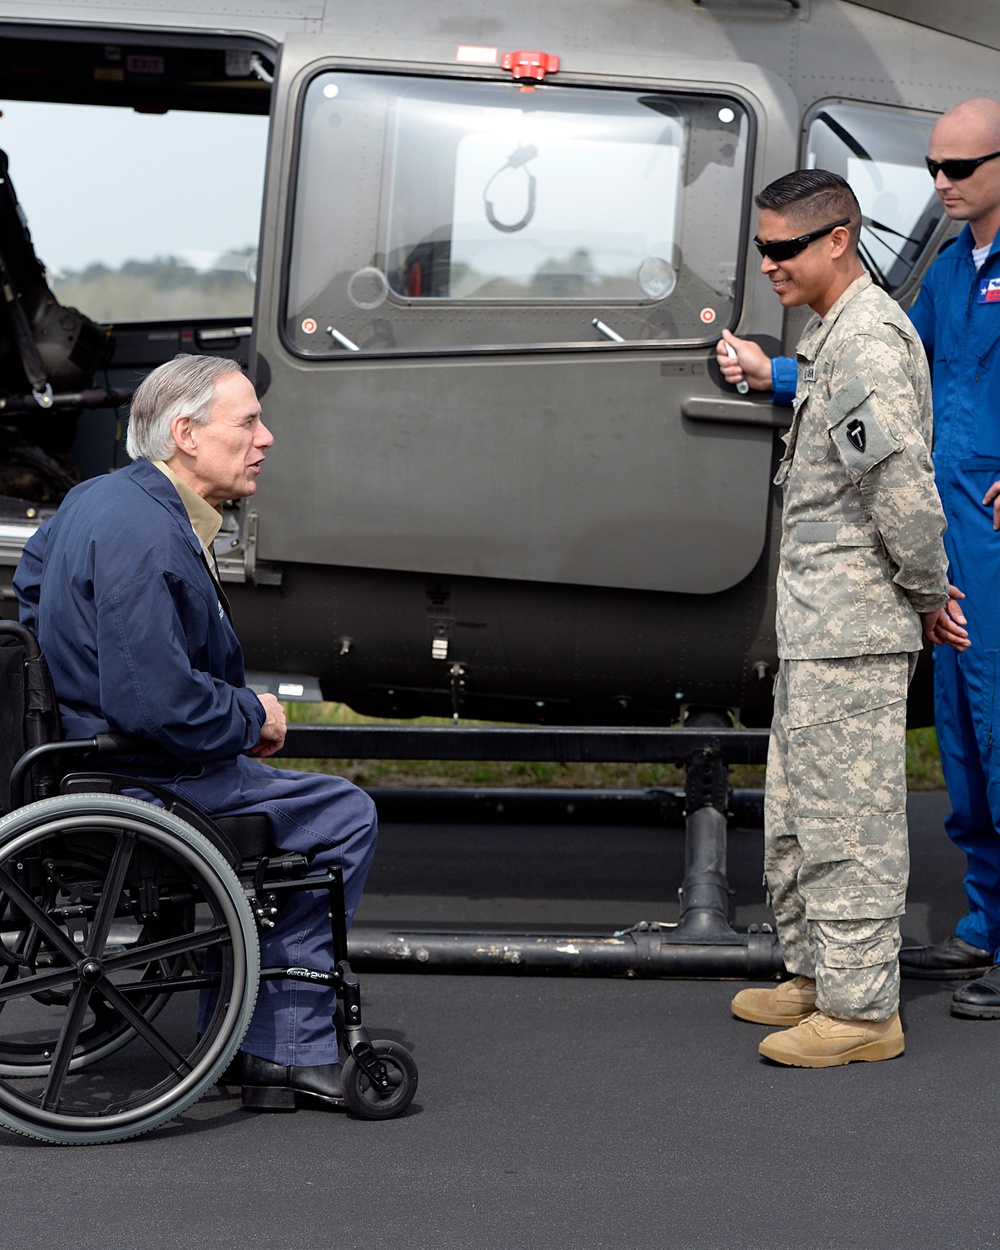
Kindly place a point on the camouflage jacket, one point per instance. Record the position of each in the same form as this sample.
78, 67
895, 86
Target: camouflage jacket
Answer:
861, 550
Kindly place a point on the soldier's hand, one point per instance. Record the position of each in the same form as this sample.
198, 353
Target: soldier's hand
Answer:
750, 363
272, 732
945, 626
993, 497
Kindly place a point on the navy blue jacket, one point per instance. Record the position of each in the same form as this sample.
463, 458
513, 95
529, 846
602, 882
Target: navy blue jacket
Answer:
118, 592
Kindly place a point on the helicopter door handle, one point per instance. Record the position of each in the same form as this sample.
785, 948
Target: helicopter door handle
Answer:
733, 411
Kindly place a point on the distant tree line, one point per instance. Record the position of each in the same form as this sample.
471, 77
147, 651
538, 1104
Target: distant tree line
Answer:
163, 289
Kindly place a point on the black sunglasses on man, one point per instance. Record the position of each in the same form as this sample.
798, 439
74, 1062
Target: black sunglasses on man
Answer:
785, 249
957, 170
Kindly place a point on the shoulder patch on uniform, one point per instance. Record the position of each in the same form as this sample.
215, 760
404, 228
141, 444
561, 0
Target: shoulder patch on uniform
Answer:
861, 437
862, 441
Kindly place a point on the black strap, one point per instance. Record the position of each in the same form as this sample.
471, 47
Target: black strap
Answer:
31, 362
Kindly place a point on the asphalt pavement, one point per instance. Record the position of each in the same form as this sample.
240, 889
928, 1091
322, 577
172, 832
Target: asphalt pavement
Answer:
567, 1113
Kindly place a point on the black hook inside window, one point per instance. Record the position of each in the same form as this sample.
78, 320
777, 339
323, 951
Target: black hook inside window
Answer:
517, 160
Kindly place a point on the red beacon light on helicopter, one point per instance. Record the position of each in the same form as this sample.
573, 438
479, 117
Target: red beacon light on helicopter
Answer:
530, 65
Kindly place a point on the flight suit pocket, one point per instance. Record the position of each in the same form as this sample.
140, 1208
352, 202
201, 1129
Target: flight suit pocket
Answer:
979, 675
983, 375
976, 474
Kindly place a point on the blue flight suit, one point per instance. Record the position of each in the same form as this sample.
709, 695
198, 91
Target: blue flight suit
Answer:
131, 622
957, 315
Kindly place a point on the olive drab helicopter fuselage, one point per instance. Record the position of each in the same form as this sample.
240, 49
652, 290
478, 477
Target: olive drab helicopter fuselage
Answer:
489, 255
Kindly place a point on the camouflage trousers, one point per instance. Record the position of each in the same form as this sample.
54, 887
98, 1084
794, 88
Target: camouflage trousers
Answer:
836, 858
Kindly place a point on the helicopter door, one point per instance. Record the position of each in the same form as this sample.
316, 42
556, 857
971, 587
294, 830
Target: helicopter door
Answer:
495, 318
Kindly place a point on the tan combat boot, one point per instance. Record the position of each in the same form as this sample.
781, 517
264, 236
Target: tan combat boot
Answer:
789, 1003
826, 1042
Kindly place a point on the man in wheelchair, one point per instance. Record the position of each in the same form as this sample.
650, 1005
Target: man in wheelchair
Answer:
122, 590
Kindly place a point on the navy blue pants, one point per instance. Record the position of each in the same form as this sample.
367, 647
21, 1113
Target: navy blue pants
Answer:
334, 823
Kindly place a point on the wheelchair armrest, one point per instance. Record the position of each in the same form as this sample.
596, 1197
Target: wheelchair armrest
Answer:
120, 744
100, 744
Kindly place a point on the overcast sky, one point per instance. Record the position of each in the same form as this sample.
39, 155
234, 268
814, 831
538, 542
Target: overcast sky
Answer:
110, 185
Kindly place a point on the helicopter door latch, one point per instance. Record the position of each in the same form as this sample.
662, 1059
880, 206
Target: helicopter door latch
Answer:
531, 65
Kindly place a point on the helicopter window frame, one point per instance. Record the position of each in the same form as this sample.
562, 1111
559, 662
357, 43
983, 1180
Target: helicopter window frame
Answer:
370, 317
895, 243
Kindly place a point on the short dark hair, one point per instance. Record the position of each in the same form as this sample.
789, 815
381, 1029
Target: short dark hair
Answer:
815, 197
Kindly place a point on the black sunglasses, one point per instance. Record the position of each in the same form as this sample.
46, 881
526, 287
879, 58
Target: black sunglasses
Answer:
785, 249
955, 171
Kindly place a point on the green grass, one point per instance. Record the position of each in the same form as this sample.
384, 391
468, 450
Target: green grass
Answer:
923, 761
923, 767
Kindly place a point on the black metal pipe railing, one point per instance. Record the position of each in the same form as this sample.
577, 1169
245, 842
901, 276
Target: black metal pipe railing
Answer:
596, 745
702, 944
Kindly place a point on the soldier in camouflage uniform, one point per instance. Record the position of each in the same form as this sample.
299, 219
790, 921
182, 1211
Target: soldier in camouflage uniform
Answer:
862, 571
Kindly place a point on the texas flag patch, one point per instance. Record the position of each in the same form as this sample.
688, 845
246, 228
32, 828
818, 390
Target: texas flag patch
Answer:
989, 291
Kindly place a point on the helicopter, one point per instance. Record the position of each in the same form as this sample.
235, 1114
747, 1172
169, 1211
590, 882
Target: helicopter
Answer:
480, 263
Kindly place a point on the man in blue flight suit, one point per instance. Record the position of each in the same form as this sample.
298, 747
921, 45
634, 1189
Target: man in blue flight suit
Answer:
122, 590
957, 315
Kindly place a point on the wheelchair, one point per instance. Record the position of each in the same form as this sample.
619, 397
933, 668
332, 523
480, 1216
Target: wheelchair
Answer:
119, 919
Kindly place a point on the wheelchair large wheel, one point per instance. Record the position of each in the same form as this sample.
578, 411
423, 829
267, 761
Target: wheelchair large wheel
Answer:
117, 919
105, 1030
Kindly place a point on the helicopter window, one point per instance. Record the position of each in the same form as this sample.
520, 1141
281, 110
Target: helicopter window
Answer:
433, 215
166, 230
880, 151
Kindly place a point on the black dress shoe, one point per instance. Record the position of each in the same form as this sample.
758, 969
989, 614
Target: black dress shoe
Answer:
979, 1000
949, 960
271, 1086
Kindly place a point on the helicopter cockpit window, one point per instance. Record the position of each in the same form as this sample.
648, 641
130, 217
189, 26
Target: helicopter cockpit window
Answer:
880, 151
433, 215
170, 233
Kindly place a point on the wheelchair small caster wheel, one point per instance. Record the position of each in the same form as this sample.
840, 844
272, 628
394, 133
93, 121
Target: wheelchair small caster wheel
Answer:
364, 1096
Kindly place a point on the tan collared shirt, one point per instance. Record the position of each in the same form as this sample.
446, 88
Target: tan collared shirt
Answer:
206, 521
